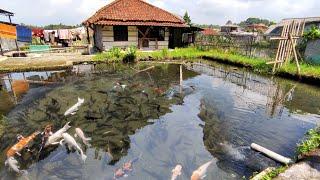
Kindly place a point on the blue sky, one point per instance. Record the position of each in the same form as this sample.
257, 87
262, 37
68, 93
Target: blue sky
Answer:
41, 12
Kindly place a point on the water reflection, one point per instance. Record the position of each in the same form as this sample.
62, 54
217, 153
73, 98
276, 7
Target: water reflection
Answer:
213, 111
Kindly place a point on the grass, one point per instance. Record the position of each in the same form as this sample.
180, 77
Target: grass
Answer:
306, 70
311, 142
274, 173
229, 57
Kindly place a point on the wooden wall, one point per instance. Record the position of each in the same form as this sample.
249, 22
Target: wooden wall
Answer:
104, 38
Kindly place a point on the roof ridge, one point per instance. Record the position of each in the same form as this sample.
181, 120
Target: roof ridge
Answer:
115, 10
160, 9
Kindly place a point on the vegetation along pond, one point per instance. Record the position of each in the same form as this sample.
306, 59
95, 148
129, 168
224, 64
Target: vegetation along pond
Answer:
149, 119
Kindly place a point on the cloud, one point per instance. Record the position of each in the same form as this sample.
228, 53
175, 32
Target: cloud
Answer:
41, 12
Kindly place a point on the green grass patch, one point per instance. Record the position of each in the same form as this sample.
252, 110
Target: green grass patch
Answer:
231, 57
306, 69
274, 173
311, 143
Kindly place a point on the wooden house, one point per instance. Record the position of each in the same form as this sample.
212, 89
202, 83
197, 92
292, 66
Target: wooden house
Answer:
124, 23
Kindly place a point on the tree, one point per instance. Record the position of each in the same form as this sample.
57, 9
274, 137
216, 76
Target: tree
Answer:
253, 20
187, 18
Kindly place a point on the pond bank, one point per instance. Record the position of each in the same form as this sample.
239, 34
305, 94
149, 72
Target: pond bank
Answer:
43, 62
307, 165
309, 74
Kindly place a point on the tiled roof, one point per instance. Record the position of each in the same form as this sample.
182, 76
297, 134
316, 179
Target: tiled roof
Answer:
134, 12
209, 31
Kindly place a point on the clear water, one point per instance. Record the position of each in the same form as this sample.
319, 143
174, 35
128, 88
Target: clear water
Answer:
216, 114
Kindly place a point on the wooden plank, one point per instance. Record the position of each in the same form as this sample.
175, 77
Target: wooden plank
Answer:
283, 38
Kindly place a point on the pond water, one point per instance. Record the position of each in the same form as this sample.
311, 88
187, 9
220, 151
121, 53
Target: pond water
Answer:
152, 116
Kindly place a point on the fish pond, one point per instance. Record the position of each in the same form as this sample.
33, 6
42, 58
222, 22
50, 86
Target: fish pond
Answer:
154, 119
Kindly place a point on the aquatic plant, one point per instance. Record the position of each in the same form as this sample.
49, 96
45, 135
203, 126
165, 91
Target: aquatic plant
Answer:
311, 143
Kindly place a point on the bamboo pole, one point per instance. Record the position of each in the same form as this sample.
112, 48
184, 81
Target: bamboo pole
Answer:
271, 154
295, 55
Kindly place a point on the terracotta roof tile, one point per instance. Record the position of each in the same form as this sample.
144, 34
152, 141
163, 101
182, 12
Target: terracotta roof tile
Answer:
134, 12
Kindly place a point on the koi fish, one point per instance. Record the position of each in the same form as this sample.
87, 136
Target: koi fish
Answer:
200, 173
74, 108
13, 165
23, 142
80, 133
176, 172
54, 138
127, 167
71, 143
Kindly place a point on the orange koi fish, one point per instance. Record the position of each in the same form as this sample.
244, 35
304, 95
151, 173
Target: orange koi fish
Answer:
23, 142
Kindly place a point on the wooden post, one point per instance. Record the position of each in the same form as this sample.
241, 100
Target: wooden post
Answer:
88, 35
181, 78
295, 54
15, 39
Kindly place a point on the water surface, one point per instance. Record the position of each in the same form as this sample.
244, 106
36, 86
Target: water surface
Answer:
216, 112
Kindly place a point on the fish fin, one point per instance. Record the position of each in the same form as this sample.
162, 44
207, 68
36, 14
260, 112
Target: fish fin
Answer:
61, 142
80, 100
88, 139
75, 135
6, 163
202, 177
67, 126
83, 157
24, 172
73, 113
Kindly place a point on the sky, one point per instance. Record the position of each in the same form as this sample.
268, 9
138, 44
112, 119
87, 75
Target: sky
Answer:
71, 12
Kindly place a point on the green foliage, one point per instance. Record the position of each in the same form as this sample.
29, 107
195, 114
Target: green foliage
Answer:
213, 26
165, 53
311, 143
113, 55
187, 18
274, 173
253, 20
131, 54
53, 26
312, 34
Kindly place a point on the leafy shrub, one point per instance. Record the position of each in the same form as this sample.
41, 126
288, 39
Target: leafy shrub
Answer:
311, 143
312, 34
131, 55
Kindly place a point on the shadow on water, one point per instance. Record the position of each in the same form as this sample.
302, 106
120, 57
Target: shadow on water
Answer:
217, 113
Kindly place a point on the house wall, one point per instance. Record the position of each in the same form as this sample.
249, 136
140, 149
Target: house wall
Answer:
104, 38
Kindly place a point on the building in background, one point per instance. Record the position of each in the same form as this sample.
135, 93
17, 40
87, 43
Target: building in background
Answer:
124, 23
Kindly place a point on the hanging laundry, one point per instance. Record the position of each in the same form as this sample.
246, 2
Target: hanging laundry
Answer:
24, 34
38, 32
46, 34
64, 34
8, 31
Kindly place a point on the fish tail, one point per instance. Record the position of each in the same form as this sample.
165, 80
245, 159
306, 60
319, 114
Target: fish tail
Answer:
75, 135
83, 157
24, 172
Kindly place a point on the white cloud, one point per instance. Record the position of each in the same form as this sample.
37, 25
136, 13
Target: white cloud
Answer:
42, 12
60, 2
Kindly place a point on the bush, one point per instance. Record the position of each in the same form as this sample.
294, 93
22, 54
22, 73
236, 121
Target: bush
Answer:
131, 55
113, 55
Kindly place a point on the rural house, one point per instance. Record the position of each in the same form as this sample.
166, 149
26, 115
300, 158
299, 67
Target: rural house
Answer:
123, 23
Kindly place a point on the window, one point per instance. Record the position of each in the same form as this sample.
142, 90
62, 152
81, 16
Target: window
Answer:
157, 32
120, 33
154, 32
